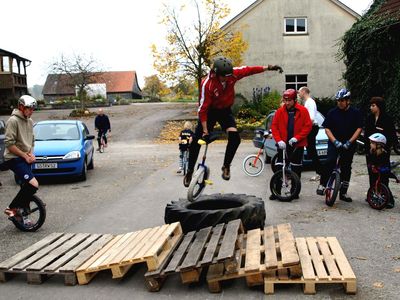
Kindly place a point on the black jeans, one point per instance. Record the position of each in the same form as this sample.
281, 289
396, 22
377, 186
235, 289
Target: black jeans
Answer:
346, 159
311, 149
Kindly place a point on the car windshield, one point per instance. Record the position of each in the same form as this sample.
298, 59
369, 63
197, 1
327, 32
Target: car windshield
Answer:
56, 132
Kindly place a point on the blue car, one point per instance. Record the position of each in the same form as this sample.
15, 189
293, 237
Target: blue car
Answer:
62, 148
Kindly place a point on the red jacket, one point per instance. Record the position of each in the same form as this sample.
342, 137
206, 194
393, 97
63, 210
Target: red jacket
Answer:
214, 95
302, 125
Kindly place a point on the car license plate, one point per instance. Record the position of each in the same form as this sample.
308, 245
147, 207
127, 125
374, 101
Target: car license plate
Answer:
46, 166
322, 152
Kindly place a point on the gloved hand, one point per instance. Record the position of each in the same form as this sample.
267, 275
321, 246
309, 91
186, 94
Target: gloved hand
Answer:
275, 68
337, 144
282, 145
347, 145
293, 141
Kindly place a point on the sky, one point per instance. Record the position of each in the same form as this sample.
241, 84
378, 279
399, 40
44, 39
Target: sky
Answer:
118, 33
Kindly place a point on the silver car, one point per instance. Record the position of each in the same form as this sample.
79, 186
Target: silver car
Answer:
270, 149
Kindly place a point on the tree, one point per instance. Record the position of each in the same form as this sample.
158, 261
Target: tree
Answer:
154, 87
191, 47
80, 70
370, 49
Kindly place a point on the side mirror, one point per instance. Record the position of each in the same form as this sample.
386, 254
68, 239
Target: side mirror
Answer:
89, 137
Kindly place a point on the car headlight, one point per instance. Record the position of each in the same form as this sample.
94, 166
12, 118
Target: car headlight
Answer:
72, 155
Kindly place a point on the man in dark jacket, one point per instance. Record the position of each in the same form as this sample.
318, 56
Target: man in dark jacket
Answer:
102, 125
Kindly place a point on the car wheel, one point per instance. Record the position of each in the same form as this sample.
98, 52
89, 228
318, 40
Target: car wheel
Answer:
91, 164
82, 177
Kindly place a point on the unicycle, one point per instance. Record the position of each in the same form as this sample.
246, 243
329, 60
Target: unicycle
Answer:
285, 183
36, 213
333, 185
200, 177
253, 164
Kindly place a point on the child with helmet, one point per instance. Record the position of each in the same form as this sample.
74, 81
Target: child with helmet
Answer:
380, 161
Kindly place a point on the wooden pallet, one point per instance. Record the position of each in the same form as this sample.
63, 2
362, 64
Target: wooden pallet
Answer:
263, 251
198, 250
151, 245
322, 261
56, 254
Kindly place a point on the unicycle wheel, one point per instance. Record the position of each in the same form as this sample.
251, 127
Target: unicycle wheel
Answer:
36, 214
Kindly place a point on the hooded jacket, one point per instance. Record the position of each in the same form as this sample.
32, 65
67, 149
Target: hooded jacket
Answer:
19, 132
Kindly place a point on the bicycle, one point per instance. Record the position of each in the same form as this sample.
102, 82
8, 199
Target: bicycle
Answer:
333, 185
35, 212
379, 195
285, 184
253, 164
200, 177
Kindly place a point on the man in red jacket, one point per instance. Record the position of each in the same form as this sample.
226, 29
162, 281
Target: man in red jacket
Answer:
216, 97
290, 128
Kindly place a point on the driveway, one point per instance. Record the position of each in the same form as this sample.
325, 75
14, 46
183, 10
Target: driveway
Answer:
134, 180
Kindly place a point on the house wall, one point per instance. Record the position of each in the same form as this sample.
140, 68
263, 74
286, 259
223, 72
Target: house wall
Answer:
313, 54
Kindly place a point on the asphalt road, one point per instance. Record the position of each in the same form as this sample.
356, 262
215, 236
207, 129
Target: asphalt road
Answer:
135, 178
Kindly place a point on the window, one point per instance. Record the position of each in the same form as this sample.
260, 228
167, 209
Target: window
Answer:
296, 81
6, 64
295, 25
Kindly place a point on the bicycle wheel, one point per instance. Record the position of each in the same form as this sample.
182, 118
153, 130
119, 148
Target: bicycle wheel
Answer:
378, 197
198, 183
284, 189
36, 214
274, 167
332, 188
253, 165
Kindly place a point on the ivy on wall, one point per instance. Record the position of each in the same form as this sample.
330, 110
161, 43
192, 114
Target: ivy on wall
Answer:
371, 52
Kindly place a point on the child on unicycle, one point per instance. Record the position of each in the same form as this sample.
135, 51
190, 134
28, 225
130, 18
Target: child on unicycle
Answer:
380, 163
185, 138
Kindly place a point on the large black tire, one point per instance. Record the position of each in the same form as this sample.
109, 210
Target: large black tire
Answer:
210, 210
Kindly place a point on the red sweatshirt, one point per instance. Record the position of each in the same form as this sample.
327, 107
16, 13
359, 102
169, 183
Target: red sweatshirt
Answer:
302, 125
214, 95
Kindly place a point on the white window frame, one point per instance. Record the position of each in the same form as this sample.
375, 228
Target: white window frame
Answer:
295, 26
296, 82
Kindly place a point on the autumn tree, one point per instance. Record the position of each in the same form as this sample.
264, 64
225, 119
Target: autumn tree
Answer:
80, 70
154, 87
192, 45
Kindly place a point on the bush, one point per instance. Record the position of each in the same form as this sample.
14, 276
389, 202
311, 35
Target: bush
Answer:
260, 106
325, 104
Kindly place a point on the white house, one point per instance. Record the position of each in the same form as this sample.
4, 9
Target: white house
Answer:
300, 35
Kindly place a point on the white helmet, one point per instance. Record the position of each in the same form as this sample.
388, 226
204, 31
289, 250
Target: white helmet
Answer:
378, 138
27, 101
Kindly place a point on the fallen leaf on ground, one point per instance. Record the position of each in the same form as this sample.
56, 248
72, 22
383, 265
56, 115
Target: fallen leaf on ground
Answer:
378, 285
396, 270
360, 257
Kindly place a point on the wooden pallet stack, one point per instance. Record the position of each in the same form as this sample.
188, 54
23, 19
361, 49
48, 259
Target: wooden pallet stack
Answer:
263, 252
322, 262
198, 250
150, 246
57, 254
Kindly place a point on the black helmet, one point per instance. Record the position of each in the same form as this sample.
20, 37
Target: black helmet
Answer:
222, 66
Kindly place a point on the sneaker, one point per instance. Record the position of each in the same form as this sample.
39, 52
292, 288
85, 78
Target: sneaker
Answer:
296, 197
27, 222
226, 172
345, 198
390, 205
320, 190
272, 197
179, 171
10, 212
188, 178
315, 178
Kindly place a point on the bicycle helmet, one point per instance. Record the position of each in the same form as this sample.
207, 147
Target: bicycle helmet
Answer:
27, 101
342, 94
222, 66
290, 94
378, 138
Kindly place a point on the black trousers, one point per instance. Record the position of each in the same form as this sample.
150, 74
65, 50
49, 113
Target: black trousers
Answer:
346, 160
